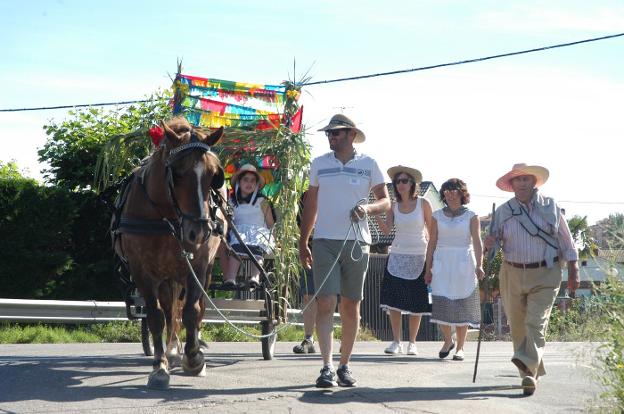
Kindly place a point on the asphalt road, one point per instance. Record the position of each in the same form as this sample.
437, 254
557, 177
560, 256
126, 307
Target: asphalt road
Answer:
111, 378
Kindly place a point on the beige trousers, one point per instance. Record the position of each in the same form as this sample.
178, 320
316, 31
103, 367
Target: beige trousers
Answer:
528, 296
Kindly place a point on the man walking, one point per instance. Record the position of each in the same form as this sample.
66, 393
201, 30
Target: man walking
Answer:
536, 240
337, 207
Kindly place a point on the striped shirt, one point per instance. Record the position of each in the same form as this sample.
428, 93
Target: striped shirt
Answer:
520, 247
340, 188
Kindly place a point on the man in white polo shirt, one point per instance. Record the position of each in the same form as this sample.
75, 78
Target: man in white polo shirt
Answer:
337, 202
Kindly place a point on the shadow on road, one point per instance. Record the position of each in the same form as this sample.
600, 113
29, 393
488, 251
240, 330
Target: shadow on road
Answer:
66, 379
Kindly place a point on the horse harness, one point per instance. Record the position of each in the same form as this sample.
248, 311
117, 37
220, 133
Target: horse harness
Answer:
122, 224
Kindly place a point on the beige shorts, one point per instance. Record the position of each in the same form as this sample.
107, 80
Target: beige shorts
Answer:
347, 277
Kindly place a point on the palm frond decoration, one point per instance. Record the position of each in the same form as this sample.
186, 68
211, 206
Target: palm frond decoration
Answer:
120, 155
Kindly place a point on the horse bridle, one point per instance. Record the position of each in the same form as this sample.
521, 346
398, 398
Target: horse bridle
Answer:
194, 145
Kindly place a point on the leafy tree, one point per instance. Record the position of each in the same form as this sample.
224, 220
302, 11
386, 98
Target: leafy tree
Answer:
11, 171
73, 146
581, 234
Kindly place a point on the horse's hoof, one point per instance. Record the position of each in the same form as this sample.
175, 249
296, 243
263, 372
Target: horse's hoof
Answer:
195, 365
203, 346
158, 379
175, 360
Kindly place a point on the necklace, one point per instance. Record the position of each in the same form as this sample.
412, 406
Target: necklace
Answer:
454, 213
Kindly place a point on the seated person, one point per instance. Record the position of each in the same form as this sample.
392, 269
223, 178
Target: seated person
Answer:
253, 217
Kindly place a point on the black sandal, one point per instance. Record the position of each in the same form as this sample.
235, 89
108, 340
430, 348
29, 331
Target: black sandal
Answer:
444, 354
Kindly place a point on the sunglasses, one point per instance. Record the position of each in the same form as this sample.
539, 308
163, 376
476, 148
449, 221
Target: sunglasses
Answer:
334, 132
403, 181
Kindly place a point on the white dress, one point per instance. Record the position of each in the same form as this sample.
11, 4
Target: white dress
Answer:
250, 223
454, 285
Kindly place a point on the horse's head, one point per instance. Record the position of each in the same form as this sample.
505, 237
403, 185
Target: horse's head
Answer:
192, 170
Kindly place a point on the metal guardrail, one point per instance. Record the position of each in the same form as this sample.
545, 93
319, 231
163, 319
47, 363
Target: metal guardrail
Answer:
244, 312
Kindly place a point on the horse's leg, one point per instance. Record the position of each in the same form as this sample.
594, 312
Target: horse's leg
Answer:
168, 298
203, 345
193, 362
159, 377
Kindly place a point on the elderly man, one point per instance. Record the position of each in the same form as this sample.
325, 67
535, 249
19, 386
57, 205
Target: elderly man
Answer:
536, 240
337, 201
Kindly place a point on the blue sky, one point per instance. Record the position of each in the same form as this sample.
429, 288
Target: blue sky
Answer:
559, 108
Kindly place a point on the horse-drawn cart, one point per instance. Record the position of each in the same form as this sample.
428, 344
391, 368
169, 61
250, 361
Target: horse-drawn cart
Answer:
175, 202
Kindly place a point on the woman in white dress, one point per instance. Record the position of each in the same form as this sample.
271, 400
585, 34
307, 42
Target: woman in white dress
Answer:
454, 267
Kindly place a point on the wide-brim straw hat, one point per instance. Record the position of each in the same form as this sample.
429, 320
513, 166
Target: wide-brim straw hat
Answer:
540, 174
244, 169
339, 121
413, 172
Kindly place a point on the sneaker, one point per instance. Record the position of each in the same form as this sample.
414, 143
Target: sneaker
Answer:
345, 379
411, 349
459, 355
394, 348
306, 347
327, 379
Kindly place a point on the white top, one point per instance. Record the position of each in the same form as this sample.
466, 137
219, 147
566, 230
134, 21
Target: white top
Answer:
340, 188
409, 235
251, 224
407, 252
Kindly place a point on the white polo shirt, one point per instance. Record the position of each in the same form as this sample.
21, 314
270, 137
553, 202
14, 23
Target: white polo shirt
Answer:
341, 187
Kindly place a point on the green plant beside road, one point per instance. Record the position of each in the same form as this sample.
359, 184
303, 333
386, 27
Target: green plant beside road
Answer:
131, 332
598, 319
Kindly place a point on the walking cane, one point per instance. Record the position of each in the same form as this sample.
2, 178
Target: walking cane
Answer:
490, 259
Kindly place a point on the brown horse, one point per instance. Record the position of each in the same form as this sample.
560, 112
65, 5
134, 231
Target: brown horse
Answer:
170, 213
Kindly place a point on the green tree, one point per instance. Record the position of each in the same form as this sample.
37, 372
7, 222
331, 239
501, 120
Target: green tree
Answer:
11, 171
73, 146
581, 234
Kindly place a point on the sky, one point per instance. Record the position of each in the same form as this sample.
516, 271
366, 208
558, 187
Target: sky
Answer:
560, 108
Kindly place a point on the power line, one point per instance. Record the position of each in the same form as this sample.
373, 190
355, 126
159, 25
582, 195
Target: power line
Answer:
42, 108
394, 72
462, 62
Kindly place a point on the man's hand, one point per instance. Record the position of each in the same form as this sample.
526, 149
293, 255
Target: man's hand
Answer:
305, 255
359, 213
574, 281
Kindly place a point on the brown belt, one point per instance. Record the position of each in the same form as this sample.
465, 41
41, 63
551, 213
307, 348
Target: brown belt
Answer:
530, 265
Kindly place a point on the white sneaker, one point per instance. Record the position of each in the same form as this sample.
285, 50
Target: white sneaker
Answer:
394, 348
411, 349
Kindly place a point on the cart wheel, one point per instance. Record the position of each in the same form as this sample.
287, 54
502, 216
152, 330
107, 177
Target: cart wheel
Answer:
268, 343
146, 338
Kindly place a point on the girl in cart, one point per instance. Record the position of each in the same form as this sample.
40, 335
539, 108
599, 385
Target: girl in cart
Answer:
253, 217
